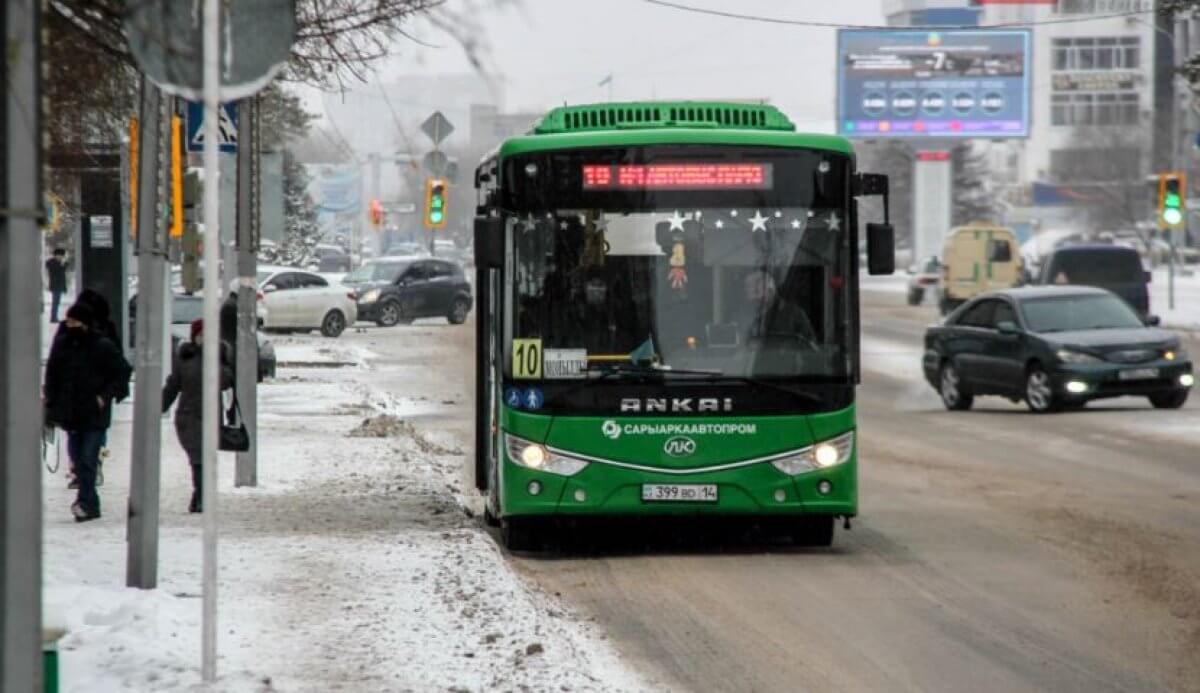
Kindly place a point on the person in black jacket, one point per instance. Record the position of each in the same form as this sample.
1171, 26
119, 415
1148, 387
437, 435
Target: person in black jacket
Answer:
85, 373
185, 383
102, 324
56, 278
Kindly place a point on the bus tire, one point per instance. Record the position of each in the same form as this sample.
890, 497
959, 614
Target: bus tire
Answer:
519, 534
816, 530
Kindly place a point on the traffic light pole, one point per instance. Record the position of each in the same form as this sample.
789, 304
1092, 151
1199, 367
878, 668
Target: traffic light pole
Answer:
141, 565
246, 470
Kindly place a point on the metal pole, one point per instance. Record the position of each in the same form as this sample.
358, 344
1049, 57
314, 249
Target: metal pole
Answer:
20, 351
212, 294
141, 566
246, 472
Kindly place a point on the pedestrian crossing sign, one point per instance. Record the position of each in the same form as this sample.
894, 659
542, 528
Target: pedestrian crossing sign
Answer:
227, 126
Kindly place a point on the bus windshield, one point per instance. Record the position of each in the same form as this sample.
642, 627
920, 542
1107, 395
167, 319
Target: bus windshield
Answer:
743, 292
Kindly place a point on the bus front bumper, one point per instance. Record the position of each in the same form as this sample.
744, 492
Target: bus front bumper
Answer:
759, 489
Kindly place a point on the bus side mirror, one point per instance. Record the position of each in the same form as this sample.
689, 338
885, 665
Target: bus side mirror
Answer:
881, 249
489, 241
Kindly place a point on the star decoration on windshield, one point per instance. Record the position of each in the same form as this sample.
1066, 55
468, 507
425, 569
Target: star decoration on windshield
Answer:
835, 224
797, 224
600, 224
720, 224
778, 214
562, 225
758, 222
733, 213
676, 221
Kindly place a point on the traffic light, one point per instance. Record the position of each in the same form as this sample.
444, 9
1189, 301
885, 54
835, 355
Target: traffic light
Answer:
376, 211
435, 203
1171, 188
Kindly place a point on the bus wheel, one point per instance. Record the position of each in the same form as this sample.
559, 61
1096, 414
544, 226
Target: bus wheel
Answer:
519, 534
813, 531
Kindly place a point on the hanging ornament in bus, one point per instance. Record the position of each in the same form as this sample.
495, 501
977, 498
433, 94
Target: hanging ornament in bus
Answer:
677, 274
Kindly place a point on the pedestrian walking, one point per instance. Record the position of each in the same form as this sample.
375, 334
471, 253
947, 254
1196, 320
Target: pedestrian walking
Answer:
186, 384
85, 375
56, 279
101, 324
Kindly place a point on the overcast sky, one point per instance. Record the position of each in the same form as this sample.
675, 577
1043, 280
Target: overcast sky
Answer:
545, 52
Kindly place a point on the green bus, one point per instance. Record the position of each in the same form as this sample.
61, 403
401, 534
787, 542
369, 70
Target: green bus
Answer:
668, 318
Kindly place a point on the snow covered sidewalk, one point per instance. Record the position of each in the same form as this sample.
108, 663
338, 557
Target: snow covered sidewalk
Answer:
352, 567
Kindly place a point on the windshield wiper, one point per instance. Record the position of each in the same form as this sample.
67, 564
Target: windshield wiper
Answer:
608, 369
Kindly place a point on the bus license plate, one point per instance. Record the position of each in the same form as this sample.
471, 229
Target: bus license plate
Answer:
1139, 374
689, 493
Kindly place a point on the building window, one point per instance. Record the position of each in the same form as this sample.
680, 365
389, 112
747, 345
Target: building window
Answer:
1110, 53
1103, 6
1107, 108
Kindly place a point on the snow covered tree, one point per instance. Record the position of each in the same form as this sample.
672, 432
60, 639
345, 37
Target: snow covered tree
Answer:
973, 198
300, 230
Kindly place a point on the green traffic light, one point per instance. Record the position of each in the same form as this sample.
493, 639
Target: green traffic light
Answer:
435, 216
1172, 215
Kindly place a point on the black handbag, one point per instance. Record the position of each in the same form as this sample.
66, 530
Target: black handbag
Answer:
234, 437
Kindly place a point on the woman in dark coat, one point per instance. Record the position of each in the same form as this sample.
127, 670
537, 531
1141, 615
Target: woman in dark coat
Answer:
184, 383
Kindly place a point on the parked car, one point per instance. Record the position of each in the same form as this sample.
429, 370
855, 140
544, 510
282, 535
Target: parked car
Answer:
298, 300
330, 258
186, 308
1117, 268
400, 290
1055, 347
977, 258
924, 277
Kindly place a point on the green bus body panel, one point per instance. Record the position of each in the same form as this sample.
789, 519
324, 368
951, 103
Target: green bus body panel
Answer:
530, 144
613, 490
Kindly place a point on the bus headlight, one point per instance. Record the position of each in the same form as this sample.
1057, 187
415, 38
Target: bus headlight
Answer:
532, 455
827, 453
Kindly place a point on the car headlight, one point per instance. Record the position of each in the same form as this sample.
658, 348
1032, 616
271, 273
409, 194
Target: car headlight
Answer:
536, 456
1070, 356
370, 297
827, 453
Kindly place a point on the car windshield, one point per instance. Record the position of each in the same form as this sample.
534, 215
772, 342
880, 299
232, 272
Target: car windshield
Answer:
263, 276
1079, 312
186, 309
375, 272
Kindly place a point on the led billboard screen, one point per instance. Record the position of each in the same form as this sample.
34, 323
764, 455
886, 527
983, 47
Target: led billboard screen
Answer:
935, 84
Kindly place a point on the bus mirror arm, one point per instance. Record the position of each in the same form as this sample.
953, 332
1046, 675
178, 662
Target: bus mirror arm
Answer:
489, 242
881, 238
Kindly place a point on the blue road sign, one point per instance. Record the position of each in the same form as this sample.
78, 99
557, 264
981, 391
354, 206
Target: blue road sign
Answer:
227, 127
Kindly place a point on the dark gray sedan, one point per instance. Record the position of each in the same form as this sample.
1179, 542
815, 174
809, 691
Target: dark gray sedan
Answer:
1055, 347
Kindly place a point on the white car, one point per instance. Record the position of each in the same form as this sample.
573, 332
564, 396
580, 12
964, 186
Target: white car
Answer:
299, 300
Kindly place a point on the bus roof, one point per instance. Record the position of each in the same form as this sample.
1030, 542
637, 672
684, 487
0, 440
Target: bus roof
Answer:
671, 122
